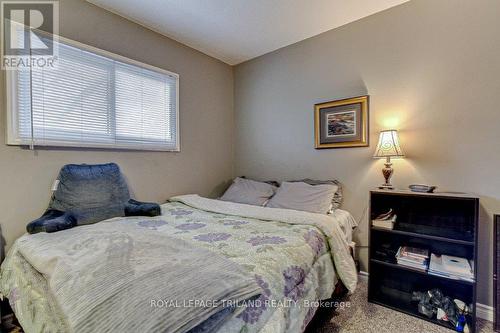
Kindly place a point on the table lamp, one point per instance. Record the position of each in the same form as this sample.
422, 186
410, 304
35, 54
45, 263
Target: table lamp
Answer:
388, 146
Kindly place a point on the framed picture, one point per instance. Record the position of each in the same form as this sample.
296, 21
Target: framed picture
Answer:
342, 123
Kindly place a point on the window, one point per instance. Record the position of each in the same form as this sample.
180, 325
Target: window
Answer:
94, 99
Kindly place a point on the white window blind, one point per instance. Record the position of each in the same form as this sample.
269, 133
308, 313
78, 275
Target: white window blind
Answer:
94, 99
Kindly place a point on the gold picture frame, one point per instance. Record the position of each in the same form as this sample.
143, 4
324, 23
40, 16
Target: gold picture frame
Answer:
342, 123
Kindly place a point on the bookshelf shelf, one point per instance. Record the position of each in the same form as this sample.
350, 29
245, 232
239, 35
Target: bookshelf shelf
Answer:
400, 301
441, 223
424, 236
424, 273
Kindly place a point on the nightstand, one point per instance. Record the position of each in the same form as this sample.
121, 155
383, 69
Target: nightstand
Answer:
445, 224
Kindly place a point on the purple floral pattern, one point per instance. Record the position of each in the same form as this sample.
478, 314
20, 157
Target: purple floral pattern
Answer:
294, 282
179, 212
315, 241
190, 226
234, 222
151, 224
254, 310
262, 240
212, 237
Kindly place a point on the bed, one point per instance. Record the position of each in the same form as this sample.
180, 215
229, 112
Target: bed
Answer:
295, 258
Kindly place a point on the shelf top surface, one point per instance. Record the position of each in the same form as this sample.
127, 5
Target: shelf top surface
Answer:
426, 236
435, 194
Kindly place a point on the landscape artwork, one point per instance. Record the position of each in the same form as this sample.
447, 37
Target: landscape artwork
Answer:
341, 123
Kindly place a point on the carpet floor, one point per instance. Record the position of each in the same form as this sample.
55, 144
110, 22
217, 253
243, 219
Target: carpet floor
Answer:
362, 316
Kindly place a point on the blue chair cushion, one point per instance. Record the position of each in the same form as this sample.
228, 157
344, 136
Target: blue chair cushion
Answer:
51, 221
137, 208
91, 192
88, 194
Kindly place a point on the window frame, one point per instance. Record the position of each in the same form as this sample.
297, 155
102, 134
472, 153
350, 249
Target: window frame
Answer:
13, 139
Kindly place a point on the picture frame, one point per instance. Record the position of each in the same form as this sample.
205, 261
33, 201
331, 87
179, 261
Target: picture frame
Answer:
342, 123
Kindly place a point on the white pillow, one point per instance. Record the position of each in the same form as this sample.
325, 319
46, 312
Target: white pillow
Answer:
305, 197
249, 192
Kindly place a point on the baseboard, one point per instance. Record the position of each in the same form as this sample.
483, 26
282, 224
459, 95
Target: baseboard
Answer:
363, 276
482, 311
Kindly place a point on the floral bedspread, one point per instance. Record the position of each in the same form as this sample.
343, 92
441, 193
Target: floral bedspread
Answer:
280, 256
291, 262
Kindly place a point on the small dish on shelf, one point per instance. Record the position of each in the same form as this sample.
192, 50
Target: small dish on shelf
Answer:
422, 188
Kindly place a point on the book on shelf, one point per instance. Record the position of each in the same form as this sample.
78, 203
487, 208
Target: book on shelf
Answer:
414, 252
413, 257
420, 267
385, 221
452, 267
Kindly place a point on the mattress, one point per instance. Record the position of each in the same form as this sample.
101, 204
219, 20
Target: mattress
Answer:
295, 263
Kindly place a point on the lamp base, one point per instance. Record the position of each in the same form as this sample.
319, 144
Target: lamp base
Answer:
387, 171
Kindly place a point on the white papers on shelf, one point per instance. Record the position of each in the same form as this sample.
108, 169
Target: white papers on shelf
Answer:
456, 268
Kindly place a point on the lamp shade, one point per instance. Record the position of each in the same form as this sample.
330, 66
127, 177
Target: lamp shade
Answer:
388, 145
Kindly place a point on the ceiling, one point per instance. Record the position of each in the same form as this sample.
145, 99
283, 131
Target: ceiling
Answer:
238, 30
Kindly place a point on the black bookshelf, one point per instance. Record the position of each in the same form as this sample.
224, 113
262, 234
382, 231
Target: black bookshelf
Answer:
496, 273
444, 223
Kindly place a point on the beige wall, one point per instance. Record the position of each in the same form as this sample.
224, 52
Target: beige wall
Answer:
432, 69
206, 120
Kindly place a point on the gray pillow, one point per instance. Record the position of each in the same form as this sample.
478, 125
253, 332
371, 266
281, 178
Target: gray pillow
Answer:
304, 197
91, 192
337, 198
250, 192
